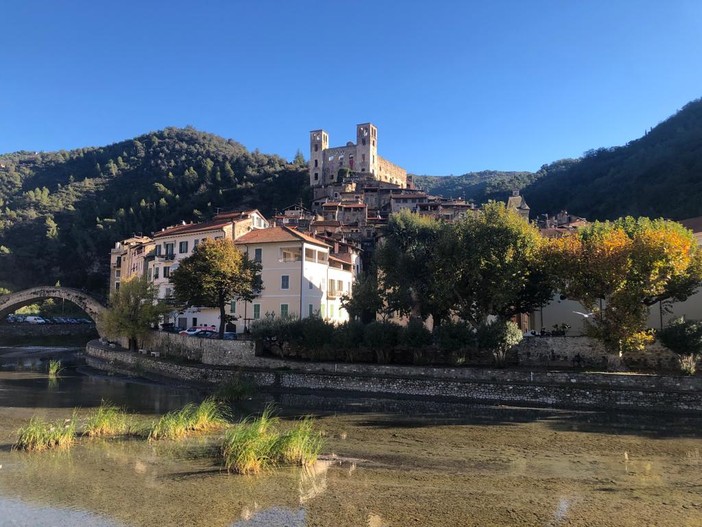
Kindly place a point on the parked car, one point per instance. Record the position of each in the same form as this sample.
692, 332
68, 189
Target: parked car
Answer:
196, 329
205, 334
33, 319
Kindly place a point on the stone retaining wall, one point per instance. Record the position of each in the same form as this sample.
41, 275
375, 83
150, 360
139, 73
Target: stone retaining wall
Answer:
520, 387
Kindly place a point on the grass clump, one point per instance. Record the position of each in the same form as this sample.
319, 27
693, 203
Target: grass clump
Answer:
235, 389
207, 416
54, 368
256, 444
107, 420
300, 445
41, 435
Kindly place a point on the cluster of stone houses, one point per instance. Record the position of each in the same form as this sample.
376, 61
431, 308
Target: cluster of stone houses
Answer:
310, 258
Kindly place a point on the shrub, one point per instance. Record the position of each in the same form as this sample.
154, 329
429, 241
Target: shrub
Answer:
453, 336
234, 389
54, 368
684, 338
381, 337
348, 335
499, 337
415, 335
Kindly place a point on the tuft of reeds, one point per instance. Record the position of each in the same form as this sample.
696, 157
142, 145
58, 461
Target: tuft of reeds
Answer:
207, 416
41, 435
256, 444
300, 445
54, 368
107, 420
248, 448
235, 389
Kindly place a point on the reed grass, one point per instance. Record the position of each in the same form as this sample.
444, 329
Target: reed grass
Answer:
107, 420
54, 368
206, 416
254, 445
235, 389
300, 445
41, 435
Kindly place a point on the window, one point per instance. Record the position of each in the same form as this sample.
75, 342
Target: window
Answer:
232, 307
316, 148
156, 273
310, 284
183, 247
116, 286
258, 254
166, 272
257, 311
196, 243
291, 254
316, 163
283, 310
158, 250
316, 176
309, 255
118, 273
310, 310
194, 321
148, 275
170, 248
285, 282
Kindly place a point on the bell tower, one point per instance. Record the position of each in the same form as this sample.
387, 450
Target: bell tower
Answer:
367, 149
319, 142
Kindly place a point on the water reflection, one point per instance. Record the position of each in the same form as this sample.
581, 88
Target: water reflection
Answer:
23, 514
274, 516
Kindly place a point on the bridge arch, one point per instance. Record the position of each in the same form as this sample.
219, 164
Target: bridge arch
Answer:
13, 301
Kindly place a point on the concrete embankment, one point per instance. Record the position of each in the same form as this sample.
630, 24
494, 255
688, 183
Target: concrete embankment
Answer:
219, 361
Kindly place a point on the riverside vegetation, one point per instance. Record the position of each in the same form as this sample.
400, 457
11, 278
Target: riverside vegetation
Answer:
248, 447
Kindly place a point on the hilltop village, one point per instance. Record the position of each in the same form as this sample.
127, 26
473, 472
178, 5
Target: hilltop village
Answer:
309, 257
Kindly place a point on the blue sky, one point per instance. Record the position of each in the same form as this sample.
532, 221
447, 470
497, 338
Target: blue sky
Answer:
453, 86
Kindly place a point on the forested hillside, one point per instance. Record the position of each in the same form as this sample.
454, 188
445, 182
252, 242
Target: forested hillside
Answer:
657, 175
478, 186
61, 212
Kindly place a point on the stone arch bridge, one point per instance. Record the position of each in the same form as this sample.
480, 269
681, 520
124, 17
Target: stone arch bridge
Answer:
13, 301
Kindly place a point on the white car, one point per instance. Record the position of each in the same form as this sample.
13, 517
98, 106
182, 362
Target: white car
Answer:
194, 330
31, 319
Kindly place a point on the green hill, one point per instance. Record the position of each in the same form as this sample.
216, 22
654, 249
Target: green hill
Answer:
658, 175
61, 212
476, 186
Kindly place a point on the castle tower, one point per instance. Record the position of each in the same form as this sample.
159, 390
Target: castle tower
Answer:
366, 149
319, 142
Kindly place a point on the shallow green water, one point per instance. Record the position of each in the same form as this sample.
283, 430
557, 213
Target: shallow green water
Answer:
387, 463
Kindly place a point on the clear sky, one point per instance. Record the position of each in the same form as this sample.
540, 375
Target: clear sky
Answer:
453, 86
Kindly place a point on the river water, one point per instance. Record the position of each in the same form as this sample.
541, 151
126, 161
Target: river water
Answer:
386, 463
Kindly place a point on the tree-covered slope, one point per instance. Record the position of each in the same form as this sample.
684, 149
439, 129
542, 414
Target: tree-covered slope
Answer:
478, 186
658, 175
61, 212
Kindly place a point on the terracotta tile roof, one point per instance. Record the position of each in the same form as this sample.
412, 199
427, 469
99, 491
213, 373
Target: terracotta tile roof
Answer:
236, 214
277, 235
189, 228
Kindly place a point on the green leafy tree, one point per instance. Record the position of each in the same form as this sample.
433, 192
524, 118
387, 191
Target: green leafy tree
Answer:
132, 311
365, 301
411, 268
214, 275
496, 265
618, 269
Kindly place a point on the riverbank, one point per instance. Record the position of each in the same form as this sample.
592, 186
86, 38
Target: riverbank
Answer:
520, 387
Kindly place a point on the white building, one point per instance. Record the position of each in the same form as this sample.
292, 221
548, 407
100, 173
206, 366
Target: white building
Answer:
300, 278
172, 244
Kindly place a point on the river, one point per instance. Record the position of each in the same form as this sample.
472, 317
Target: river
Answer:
386, 463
